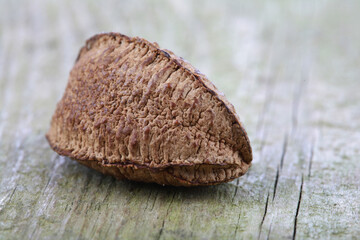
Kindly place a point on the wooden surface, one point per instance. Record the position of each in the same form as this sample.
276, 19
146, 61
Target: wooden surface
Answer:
291, 68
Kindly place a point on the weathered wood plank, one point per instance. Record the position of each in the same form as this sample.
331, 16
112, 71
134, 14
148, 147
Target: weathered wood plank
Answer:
291, 70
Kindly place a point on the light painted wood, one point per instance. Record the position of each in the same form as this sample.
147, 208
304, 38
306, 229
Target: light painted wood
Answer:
291, 69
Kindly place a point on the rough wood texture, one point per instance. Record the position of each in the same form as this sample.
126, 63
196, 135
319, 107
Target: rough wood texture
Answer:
291, 68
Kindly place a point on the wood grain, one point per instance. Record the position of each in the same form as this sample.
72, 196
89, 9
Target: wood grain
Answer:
291, 69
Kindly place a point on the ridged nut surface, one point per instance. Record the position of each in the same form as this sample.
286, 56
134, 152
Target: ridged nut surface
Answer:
135, 111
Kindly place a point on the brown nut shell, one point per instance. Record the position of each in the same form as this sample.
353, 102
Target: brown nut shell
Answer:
134, 111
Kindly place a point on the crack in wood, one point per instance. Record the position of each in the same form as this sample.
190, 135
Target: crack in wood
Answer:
269, 232
108, 189
311, 158
276, 182
236, 189
10, 197
237, 224
298, 207
147, 201
167, 213
266, 208
283, 153
264, 216
152, 207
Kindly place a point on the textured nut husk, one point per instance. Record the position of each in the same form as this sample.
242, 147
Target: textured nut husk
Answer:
134, 111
